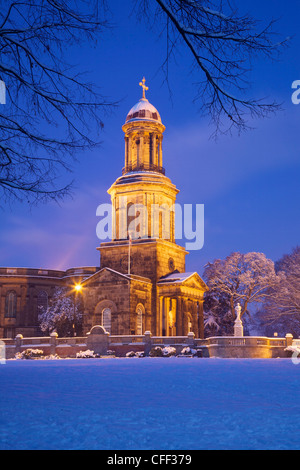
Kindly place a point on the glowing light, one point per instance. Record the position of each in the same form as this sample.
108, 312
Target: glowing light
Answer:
78, 287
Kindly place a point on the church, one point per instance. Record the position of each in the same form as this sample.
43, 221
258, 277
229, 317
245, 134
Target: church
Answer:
141, 283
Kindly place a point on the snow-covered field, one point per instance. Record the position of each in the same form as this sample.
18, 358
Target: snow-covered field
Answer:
150, 403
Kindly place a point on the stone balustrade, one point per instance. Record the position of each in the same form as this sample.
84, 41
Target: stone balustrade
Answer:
99, 340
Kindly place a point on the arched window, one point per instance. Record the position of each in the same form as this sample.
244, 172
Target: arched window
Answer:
106, 319
42, 301
11, 305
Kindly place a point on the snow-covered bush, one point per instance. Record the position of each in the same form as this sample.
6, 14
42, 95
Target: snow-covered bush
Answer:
169, 351
86, 354
140, 354
293, 351
52, 357
130, 354
30, 354
135, 354
156, 352
187, 351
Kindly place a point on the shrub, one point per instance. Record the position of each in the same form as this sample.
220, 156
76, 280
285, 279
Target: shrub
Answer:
30, 354
156, 352
130, 354
86, 354
140, 354
187, 351
135, 354
169, 351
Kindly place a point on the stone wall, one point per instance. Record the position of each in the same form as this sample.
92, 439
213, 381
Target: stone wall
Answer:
101, 342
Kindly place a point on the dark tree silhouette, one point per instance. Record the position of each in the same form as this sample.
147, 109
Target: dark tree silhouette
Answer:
49, 108
43, 89
222, 43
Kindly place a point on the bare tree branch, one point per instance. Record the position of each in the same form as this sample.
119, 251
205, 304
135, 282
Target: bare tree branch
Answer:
51, 112
222, 44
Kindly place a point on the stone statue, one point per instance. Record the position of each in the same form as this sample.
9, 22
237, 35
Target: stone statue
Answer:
238, 325
238, 310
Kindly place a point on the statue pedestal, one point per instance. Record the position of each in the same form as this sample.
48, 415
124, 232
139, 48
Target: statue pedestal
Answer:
238, 328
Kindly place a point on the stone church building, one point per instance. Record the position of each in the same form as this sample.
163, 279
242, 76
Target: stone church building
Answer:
141, 283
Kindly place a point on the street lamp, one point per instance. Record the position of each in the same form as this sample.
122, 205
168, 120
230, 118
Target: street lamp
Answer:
77, 289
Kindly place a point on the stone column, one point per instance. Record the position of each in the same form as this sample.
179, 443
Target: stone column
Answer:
160, 316
195, 318
147, 149
152, 149
156, 158
179, 317
129, 152
142, 156
126, 153
200, 319
165, 316
160, 152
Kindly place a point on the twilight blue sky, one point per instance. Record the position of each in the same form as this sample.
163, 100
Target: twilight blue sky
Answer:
249, 184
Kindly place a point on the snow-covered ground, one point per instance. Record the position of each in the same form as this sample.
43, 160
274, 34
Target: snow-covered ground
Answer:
150, 403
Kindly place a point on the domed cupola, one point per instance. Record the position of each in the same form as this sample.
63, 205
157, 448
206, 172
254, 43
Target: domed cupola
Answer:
143, 137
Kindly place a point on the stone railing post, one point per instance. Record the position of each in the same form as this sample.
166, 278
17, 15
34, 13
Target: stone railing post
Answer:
190, 338
289, 339
148, 342
53, 342
18, 343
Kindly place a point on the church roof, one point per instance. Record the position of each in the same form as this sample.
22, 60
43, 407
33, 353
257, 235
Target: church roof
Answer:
181, 278
129, 277
143, 111
176, 277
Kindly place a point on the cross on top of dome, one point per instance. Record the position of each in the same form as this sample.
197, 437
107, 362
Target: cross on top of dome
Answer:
143, 110
142, 84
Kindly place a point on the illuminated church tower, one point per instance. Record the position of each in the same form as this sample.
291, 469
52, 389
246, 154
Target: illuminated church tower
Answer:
142, 284
143, 199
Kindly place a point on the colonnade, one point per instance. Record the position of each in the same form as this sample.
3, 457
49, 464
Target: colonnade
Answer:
180, 315
143, 150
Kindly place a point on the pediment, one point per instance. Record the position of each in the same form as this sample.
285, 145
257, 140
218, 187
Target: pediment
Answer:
191, 280
106, 275
195, 281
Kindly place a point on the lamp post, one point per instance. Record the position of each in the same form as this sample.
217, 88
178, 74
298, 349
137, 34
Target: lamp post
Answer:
77, 289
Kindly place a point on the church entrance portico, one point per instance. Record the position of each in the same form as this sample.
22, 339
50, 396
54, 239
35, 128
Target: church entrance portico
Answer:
180, 301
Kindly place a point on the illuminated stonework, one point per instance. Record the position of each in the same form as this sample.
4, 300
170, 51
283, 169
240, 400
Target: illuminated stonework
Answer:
141, 284
151, 266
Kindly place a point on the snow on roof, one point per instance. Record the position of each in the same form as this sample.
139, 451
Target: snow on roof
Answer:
176, 277
127, 276
143, 110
